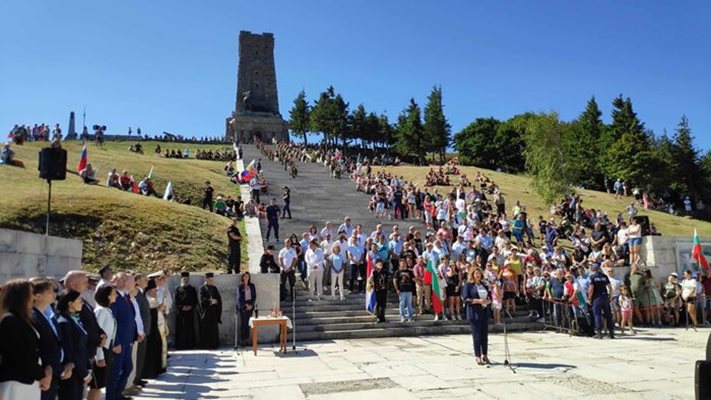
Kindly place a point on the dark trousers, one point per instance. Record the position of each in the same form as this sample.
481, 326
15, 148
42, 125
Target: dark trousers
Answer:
255, 195
357, 270
381, 297
234, 260
119, 370
140, 358
288, 277
72, 388
207, 203
285, 210
601, 309
301, 264
479, 322
244, 316
273, 225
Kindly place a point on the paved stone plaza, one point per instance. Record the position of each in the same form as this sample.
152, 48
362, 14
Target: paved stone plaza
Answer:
656, 364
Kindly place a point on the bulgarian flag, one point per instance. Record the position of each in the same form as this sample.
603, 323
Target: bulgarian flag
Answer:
697, 252
437, 295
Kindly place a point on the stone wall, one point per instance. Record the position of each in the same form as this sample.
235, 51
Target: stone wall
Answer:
25, 254
670, 253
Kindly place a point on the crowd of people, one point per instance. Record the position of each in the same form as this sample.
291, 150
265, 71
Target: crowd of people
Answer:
35, 133
85, 335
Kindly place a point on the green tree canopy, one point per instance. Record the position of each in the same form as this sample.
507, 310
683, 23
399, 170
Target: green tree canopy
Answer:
438, 132
475, 143
299, 116
410, 133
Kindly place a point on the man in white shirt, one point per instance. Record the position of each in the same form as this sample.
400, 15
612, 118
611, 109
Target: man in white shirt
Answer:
355, 261
314, 264
106, 274
255, 187
458, 247
287, 263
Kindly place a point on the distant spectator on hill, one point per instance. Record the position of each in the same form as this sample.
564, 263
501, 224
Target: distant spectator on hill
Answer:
146, 187
113, 179
8, 157
88, 174
207, 196
126, 181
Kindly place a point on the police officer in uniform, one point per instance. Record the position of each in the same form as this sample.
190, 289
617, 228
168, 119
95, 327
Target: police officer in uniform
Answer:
599, 297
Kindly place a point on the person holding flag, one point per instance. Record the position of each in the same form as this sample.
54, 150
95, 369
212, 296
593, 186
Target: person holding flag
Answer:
83, 160
697, 253
435, 280
380, 288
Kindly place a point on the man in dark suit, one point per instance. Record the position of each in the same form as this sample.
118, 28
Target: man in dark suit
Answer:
50, 345
126, 334
145, 308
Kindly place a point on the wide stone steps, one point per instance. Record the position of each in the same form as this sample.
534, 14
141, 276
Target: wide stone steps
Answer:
397, 329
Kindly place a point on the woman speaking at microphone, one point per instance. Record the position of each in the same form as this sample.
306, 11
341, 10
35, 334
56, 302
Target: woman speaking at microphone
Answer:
477, 299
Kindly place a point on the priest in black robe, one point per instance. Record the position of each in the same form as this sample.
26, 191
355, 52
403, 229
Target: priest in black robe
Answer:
186, 301
210, 313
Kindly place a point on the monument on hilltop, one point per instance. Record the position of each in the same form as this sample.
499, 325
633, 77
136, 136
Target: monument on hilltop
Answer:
256, 113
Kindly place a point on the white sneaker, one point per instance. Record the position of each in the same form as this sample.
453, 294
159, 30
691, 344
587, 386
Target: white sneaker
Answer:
458, 317
402, 320
436, 318
343, 298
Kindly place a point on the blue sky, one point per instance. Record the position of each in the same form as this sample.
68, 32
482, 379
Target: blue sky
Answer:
171, 65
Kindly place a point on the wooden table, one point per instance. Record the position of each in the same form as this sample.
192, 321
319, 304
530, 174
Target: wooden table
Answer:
283, 322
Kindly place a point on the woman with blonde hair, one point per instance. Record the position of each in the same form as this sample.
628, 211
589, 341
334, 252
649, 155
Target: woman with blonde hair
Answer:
475, 295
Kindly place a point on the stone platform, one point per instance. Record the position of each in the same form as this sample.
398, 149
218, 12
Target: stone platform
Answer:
655, 364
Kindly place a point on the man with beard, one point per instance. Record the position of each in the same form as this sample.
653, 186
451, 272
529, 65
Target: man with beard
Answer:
186, 300
210, 313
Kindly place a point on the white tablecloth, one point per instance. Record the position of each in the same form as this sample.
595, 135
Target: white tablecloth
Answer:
269, 318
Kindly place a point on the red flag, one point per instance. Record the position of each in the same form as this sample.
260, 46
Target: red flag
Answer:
83, 160
697, 253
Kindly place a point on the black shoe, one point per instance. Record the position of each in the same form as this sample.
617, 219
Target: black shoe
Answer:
599, 335
229, 271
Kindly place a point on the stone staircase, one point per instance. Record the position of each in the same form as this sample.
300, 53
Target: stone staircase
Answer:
335, 319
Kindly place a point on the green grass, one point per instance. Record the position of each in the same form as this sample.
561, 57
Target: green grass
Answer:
518, 187
122, 229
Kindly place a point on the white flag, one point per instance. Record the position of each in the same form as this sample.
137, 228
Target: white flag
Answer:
168, 195
150, 173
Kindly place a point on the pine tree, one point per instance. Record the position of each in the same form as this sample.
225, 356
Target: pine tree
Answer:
582, 141
438, 132
340, 119
685, 161
321, 114
299, 117
359, 123
410, 133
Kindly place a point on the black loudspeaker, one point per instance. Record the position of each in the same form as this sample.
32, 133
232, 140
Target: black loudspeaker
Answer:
644, 221
53, 164
702, 381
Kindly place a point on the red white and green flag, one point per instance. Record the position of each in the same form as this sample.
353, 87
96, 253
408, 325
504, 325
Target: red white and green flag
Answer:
437, 295
697, 253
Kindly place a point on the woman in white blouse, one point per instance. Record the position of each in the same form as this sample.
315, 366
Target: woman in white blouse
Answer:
105, 296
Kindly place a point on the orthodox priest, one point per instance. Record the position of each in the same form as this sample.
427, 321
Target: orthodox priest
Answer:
210, 313
186, 301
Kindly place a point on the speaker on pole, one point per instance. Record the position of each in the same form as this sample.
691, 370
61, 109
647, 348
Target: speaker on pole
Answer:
53, 164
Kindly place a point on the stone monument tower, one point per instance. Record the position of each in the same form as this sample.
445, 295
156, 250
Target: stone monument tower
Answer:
256, 113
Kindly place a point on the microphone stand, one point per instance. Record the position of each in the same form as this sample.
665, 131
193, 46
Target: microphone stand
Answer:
507, 353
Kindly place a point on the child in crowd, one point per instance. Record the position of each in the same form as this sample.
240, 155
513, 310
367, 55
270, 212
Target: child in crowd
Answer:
625, 302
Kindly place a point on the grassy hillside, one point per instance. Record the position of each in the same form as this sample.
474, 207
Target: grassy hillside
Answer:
118, 228
517, 187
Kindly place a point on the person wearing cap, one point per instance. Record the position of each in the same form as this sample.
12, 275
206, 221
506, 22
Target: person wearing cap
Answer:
314, 259
186, 300
153, 363
210, 308
598, 297
234, 238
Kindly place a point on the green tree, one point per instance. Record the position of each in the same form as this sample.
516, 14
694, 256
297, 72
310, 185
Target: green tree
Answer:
410, 133
322, 115
340, 119
630, 156
438, 132
685, 161
359, 124
299, 117
475, 143
509, 143
581, 142
546, 160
